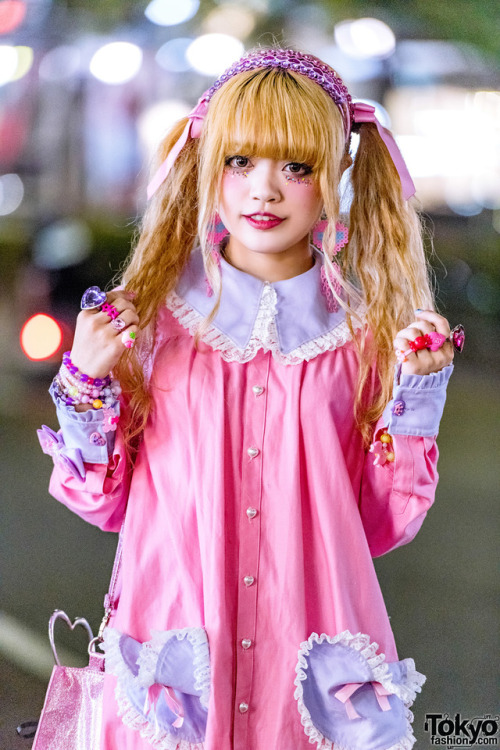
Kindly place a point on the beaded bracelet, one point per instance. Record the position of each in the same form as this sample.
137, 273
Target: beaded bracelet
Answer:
74, 387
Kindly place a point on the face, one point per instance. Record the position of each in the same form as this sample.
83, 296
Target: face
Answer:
269, 207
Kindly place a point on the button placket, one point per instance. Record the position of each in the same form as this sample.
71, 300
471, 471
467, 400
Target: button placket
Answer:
254, 416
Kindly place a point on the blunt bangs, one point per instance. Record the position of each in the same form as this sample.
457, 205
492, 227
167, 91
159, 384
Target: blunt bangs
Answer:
274, 114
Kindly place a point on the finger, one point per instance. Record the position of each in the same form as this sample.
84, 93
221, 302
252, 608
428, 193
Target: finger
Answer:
129, 337
117, 294
124, 320
438, 321
422, 325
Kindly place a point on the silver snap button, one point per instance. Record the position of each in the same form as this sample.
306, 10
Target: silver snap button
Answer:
246, 643
258, 389
243, 707
251, 512
248, 580
252, 452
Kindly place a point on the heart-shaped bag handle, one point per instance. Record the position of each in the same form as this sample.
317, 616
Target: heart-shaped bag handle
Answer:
59, 614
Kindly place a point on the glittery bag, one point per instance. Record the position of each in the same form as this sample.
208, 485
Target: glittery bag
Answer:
72, 711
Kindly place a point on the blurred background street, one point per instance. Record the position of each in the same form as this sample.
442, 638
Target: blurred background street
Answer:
86, 91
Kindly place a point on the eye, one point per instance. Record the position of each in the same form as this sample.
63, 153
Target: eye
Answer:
299, 168
237, 162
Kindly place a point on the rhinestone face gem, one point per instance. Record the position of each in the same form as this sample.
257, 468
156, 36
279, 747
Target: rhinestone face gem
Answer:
248, 580
251, 512
92, 298
252, 452
258, 389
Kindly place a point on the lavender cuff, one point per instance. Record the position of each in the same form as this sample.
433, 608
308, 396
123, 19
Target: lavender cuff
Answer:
417, 404
84, 431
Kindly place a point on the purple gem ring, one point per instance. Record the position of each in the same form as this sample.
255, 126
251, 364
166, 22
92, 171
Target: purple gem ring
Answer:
92, 298
118, 324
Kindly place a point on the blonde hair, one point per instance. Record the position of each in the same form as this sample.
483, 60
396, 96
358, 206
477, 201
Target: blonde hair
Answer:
280, 114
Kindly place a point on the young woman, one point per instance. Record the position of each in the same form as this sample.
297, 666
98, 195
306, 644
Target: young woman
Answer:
265, 451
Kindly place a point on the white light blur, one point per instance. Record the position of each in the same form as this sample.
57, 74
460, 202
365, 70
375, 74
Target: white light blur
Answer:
154, 123
8, 63
211, 54
11, 193
235, 19
450, 139
351, 70
171, 12
60, 64
62, 244
116, 62
172, 55
365, 38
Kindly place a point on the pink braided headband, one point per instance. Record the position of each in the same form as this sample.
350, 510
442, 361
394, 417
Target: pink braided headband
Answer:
317, 71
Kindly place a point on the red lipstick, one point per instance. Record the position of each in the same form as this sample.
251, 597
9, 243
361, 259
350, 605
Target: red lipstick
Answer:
263, 220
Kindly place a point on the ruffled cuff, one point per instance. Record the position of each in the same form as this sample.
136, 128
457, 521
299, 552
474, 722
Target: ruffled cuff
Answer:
90, 432
417, 404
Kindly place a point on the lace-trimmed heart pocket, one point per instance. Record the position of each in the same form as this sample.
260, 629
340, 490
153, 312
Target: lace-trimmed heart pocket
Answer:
163, 685
350, 698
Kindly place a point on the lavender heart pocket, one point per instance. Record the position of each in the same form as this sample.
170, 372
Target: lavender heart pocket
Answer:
163, 685
350, 698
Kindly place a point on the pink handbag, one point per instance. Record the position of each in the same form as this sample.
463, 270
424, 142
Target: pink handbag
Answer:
72, 711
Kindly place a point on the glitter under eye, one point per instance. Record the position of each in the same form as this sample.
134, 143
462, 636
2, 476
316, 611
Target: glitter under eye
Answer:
301, 179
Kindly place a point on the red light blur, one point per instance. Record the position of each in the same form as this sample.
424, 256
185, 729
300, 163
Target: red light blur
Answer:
41, 337
12, 14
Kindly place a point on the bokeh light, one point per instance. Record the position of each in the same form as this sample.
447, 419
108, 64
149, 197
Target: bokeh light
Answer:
41, 337
483, 293
116, 62
8, 63
172, 55
154, 123
211, 54
232, 19
63, 243
11, 193
60, 63
12, 14
365, 38
171, 12
24, 62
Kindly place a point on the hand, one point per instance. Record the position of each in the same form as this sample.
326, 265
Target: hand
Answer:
97, 345
424, 361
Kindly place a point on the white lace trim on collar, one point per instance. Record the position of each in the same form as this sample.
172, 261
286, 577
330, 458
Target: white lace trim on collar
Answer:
264, 334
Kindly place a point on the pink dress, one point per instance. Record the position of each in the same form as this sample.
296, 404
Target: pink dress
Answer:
253, 514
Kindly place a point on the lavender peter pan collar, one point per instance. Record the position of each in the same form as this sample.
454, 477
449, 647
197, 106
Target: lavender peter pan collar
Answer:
301, 310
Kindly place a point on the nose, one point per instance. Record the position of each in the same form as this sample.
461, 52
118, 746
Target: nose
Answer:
265, 185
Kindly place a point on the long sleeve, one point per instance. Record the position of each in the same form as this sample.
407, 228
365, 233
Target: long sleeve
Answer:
395, 496
91, 474
101, 497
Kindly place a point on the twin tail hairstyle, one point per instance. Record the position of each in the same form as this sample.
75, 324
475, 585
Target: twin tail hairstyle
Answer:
283, 115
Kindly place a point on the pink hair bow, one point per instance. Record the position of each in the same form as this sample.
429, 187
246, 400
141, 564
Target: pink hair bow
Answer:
192, 130
344, 696
364, 112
